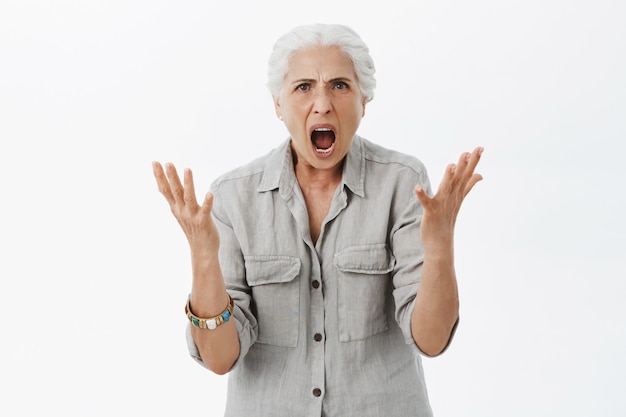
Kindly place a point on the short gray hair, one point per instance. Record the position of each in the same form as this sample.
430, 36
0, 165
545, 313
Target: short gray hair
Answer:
309, 36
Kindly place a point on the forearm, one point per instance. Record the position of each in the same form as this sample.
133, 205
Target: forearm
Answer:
436, 307
219, 348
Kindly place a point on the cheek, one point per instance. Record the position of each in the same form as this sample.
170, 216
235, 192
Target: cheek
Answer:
296, 128
292, 109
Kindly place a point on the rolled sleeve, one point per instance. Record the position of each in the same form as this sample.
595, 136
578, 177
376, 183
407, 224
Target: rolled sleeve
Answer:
234, 272
245, 338
407, 247
191, 346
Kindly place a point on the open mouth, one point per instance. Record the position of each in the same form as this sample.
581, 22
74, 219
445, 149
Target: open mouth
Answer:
323, 140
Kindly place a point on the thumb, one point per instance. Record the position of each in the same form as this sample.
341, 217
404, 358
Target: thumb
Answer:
421, 195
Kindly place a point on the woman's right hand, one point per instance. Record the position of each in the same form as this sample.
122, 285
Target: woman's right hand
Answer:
195, 220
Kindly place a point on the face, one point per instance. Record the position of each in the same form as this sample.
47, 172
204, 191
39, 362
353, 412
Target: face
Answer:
321, 105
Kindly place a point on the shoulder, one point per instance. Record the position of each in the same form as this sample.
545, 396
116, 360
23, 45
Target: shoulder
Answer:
380, 155
251, 172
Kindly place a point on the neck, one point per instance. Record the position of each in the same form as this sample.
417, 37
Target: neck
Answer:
321, 179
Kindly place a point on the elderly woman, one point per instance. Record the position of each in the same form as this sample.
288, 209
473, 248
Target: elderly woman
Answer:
323, 270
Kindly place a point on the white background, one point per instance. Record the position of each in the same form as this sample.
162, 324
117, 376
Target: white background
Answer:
94, 269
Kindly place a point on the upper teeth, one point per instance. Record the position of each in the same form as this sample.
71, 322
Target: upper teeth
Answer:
322, 129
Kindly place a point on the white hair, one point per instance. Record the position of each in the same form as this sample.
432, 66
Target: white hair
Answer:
309, 36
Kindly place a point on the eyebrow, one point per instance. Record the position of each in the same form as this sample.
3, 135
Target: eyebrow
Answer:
332, 80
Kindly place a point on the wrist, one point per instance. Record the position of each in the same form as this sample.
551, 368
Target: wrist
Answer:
212, 322
440, 249
204, 261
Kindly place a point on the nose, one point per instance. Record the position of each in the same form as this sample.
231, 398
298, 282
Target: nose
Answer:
322, 103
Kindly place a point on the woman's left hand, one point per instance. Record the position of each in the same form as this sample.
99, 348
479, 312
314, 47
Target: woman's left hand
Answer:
441, 210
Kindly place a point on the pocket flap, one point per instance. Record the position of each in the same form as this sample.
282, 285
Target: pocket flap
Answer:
271, 269
365, 259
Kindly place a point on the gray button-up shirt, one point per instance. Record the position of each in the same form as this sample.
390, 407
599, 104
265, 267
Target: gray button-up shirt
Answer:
324, 328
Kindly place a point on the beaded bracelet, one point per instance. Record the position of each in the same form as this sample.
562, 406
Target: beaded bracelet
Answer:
213, 322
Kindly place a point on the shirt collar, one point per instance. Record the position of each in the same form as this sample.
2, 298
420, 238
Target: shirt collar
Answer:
354, 168
279, 171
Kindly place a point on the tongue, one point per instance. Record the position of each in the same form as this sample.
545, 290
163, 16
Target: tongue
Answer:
323, 140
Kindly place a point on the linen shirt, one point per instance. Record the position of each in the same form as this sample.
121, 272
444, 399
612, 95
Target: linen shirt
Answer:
324, 328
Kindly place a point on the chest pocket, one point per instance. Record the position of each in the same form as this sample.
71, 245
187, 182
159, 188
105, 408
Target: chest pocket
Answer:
275, 285
362, 285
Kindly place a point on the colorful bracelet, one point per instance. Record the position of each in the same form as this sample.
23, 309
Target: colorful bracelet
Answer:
213, 322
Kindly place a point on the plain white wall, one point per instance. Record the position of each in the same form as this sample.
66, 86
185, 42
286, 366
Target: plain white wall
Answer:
94, 270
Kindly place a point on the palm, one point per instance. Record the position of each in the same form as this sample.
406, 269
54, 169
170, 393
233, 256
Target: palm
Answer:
441, 210
194, 219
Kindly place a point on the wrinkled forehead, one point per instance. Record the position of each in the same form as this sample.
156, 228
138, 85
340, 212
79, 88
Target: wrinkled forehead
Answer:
328, 62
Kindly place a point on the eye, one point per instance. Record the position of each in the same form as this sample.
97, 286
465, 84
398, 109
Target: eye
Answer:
303, 87
340, 85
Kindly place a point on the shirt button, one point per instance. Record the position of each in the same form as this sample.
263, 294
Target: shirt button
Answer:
317, 337
315, 284
317, 392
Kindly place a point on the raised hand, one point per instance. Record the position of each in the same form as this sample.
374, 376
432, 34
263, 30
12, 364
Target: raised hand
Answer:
441, 210
194, 219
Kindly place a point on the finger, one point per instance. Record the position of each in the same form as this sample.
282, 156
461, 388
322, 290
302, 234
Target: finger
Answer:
465, 169
176, 187
207, 205
162, 183
472, 177
189, 193
448, 179
472, 161
471, 183
462, 170
462, 163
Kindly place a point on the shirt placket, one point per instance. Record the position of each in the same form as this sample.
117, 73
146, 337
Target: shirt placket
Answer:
318, 313
316, 335
315, 331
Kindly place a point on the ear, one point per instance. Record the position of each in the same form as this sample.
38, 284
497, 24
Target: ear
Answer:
364, 104
277, 108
